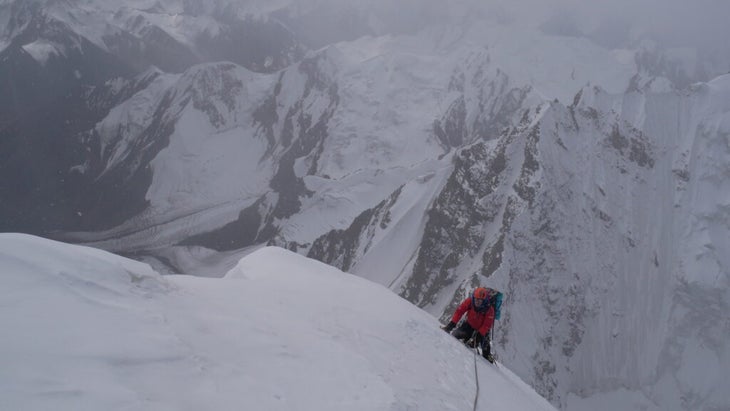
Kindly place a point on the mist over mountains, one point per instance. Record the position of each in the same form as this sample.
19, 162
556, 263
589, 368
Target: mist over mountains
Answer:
576, 157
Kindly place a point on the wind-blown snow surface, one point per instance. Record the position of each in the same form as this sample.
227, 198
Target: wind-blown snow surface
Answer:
87, 330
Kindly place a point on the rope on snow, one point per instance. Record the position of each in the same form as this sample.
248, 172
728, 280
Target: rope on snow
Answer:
476, 374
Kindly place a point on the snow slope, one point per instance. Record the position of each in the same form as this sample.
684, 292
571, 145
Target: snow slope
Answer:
87, 330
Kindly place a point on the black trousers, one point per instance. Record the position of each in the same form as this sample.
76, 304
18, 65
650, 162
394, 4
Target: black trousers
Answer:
465, 331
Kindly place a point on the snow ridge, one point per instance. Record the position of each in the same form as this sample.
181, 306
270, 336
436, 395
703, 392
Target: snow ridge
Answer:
113, 334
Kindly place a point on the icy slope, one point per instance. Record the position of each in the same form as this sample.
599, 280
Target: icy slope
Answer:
86, 330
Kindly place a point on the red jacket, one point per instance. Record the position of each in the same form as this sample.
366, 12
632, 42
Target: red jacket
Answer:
480, 321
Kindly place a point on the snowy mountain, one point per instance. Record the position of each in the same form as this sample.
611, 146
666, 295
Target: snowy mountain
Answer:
577, 164
85, 329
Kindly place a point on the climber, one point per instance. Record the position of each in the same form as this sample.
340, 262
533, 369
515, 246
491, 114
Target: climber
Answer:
480, 309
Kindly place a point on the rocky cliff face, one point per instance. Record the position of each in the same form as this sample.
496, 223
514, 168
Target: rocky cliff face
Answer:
582, 215
596, 243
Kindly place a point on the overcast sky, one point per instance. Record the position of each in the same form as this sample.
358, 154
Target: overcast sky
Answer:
701, 23
619, 23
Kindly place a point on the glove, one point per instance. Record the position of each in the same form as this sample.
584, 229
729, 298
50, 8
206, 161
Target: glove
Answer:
449, 327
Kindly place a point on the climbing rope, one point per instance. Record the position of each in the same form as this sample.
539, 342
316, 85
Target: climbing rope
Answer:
476, 351
476, 374
492, 338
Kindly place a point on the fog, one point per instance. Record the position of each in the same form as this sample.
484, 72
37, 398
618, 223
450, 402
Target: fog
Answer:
701, 24
674, 23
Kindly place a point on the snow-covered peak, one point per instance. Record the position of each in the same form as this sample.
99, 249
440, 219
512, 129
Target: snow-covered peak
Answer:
84, 329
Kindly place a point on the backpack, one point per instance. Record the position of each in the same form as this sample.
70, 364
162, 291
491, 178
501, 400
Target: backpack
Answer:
495, 300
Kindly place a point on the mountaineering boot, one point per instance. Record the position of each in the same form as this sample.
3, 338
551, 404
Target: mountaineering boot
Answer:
487, 353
